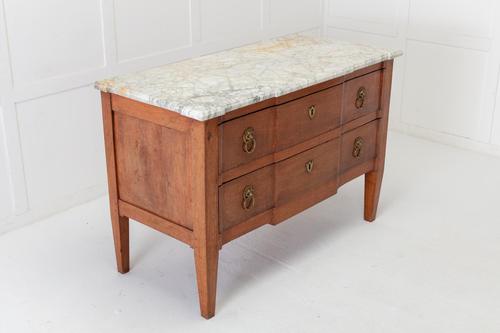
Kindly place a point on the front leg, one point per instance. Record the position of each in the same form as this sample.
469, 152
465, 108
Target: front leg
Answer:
203, 211
206, 258
373, 179
119, 223
373, 183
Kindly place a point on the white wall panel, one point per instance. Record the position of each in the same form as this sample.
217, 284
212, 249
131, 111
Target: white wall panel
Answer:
445, 84
54, 130
463, 23
149, 27
362, 15
444, 88
5, 195
230, 18
287, 16
53, 37
54, 46
62, 143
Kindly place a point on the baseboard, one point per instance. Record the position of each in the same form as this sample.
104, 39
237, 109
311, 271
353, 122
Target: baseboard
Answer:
35, 214
444, 138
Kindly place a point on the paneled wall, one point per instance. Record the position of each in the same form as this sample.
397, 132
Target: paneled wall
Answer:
51, 146
446, 85
51, 52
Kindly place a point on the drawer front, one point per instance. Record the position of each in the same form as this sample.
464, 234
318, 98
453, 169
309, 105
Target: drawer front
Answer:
247, 138
307, 171
308, 117
362, 96
246, 196
359, 145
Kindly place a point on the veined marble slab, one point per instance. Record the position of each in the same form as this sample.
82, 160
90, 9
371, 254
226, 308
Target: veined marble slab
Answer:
213, 85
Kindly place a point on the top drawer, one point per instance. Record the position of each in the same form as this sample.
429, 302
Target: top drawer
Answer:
264, 132
247, 138
307, 117
361, 96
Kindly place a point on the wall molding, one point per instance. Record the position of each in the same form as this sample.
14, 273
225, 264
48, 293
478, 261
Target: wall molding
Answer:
445, 138
14, 93
393, 32
14, 160
485, 125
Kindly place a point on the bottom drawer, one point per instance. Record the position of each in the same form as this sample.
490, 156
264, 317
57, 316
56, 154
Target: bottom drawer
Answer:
307, 171
359, 146
246, 197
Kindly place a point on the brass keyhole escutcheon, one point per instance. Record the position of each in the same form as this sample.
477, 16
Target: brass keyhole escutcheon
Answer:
357, 147
248, 197
311, 111
360, 97
309, 166
249, 142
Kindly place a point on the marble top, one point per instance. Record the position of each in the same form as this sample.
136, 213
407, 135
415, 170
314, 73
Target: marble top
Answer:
213, 85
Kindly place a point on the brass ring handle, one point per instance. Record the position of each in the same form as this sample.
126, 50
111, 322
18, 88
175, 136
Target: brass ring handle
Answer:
309, 166
248, 197
311, 111
357, 147
249, 142
360, 97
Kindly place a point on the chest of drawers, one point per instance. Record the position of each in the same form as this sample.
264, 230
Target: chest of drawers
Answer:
259, 159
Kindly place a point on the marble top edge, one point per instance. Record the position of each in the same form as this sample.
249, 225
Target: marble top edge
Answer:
212, 85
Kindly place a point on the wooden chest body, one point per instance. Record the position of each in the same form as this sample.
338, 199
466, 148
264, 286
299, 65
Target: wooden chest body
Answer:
206, 183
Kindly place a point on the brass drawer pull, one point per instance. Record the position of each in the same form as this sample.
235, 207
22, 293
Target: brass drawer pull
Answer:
360, 97
357, 147
249, 142
248, 197
311, 111
309, 166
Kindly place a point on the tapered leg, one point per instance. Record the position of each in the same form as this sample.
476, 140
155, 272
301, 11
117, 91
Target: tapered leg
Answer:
119, 223
373, 179
203, 211
120, 226
206, 261
373, 183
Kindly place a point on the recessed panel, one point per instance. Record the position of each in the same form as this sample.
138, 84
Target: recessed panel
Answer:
53, 38
62, 145
287, 16
151, 167
148, 27
444, 88
464, 23
222, 18
362, 15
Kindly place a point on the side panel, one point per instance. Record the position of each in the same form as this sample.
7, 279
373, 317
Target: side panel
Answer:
151, 167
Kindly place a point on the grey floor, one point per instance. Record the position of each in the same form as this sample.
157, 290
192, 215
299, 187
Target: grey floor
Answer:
430, 263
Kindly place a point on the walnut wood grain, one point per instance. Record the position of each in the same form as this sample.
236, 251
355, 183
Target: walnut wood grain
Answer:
151, 113
231, 133
202, 166
120, 224
307, 200
368, 134
298, 94
231, 211
370, 82
294, 124
185, 178
278, 156
293, 179
158, 223
373, 179
151, 167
